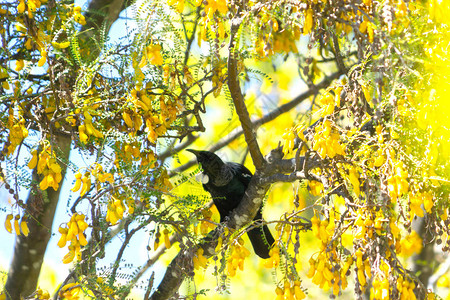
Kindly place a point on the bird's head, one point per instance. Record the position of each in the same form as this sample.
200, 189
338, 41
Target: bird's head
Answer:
210, 162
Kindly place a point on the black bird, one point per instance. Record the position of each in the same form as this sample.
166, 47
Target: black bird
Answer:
227, 182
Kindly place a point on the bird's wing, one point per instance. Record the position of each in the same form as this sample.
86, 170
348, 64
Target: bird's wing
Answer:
244, 175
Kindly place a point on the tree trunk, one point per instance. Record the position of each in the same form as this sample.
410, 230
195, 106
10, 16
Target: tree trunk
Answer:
29, 250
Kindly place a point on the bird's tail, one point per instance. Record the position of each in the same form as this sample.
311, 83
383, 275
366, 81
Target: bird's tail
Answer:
262, 240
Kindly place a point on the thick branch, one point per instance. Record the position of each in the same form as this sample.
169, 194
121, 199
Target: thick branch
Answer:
265, 119
181, 266
238, 100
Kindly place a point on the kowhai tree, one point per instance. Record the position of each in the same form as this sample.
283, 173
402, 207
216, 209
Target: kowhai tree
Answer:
339, 109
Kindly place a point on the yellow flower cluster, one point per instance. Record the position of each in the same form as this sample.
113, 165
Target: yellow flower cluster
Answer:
71, 291
380, 289
206, 224
82, 181
74, 233
366, 223
320, 270
290, 291
272, 39
77, 16
213, 6
116, 209
411, 244
352, 177
406, 288
324, 229
169, 109
274, 260
328, 101
87, 129
209, 21
47, 166
397, 182
41, 294
315, 188
17, 132
162, 183
419, 199
140, 99
363, 268
104, 287
156, 124
132, 120
30, 6
102, 176
327, 141
36, 37
199, 260
380, 283
237, 257
152, 55
18, 228
368, 28
289, 138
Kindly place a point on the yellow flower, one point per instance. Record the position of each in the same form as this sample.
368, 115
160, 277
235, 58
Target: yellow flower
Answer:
70, 291
34, 159
19, 65
62, 45
21, 7
326, 141
43, 58
397, 181
152, 55
8, 225
199, 260
16, 224
316, 187
24, 226
411, 244
63, 239
288, 141
86, 180
307, 27
77, 182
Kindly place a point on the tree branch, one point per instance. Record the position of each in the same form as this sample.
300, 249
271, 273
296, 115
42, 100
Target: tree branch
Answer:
238, 100
313, 90
182, 266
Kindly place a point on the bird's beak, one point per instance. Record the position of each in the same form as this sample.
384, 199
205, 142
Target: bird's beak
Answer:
193, 151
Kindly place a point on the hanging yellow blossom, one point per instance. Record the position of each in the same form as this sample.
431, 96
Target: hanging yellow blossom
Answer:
308, 26
8, 225
70, 291
397, 183
73, 232
152, 55
48, 166
238, 255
